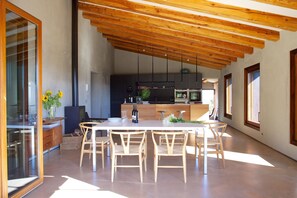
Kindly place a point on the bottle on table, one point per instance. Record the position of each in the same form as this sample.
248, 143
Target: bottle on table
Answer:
135, 114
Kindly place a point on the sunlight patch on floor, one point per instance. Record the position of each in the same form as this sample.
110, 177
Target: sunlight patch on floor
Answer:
76, 188
14, 184
85, 193
235, 156
246, 158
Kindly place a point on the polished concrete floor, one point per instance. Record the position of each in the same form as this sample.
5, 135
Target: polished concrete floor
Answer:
252, 170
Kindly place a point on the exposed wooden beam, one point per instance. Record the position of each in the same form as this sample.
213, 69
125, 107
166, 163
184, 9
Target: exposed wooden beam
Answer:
144, 46
193, 19
162, 50
147, 30
177, 48
147, 37
162, 53
151, 41
21, 36
26, 46
228, 11
203, 64
170, 25
292, 4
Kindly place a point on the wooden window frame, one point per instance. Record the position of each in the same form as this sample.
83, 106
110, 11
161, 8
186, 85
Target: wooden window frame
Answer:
227, 115
293, 97
246, 72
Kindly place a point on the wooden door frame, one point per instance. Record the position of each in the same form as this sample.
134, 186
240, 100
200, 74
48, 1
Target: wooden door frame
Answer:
293, 96
5, 5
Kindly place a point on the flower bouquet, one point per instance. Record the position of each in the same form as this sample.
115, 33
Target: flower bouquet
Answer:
51, 102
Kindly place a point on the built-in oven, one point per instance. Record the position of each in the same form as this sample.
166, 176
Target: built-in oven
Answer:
195, 95
181, 95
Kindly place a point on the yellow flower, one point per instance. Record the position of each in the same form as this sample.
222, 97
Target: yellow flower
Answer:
49, 100
44, 98
60, 94
48, 93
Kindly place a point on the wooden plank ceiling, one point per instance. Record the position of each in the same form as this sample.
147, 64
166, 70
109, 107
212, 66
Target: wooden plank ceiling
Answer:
199, 32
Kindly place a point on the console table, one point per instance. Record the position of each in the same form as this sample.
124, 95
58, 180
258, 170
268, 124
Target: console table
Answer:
52, 132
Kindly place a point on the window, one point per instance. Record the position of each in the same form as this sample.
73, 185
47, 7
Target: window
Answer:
293, 98
252, 96
228, 96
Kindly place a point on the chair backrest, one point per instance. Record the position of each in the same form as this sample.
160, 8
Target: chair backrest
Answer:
127, 138
85, 128
218, 129
171, 137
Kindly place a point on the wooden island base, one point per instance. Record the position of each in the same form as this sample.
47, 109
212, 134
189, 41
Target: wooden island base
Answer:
193, 112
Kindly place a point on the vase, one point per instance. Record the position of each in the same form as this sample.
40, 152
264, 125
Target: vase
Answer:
51, 112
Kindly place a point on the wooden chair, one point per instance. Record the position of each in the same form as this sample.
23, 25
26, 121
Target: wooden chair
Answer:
170, 149
132, 143
86, 147
214, 140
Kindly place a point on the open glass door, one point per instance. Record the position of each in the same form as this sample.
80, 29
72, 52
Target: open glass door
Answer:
23, 103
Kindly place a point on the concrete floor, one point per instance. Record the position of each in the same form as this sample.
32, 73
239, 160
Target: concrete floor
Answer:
252, 170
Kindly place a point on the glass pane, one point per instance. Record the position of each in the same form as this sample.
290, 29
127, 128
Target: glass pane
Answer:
21, 84
208, 98
254, 96
229, 96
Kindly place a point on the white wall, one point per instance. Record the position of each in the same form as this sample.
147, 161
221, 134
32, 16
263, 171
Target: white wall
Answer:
56, 44
274, 62
94, 53
126, 63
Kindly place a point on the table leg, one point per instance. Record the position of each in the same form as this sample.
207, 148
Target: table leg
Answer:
205, 152
94, 148
108, 144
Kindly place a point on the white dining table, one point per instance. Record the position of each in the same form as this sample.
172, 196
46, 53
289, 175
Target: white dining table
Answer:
148, 125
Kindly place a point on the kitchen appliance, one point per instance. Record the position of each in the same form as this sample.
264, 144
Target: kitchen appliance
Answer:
195, 95
181, 95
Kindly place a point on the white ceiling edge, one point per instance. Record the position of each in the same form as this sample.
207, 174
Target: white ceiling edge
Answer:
259, 6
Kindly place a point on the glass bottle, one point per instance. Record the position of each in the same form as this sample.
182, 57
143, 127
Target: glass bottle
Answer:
135, 114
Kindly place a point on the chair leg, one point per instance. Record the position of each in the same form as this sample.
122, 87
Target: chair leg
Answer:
222, 153
140, 166
145, 162
223, 158
102, 153
81, 154
112, 166
217, 151
185, 167
90, 153
145, 155
116, 162
156, 167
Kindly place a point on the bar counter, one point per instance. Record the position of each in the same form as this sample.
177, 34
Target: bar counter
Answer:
193, 112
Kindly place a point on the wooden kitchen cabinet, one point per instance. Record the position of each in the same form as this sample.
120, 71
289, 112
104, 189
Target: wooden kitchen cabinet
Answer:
52, 136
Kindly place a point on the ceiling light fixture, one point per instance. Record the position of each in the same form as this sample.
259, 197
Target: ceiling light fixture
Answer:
166, 67
196, 69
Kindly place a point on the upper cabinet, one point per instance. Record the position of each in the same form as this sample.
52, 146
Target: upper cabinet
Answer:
188, 81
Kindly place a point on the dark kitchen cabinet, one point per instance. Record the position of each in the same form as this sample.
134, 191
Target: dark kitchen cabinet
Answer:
162, 87
181, 81
195, 81
121, 87
188, 81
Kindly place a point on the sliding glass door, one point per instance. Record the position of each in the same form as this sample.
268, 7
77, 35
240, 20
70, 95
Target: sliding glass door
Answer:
23, 104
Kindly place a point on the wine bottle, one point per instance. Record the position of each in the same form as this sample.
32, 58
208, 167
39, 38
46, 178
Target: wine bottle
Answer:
135, 114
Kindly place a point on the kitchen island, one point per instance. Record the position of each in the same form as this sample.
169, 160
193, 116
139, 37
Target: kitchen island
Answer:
192, 112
